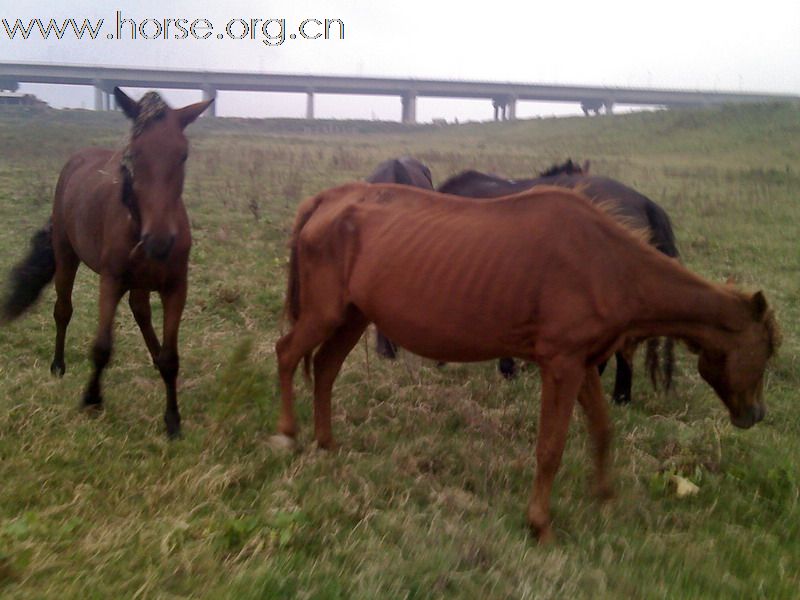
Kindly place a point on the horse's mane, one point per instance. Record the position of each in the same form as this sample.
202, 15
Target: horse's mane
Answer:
473, 176
566, 168
151, 108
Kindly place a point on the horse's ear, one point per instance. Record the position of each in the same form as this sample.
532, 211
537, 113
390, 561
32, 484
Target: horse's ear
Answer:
188, 114
759, 303
129, 106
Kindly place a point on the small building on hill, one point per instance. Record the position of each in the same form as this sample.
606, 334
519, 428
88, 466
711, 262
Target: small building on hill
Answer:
17, 99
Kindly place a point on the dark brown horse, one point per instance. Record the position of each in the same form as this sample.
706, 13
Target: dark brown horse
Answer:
630, 207
121, 213
405, 170
543, 275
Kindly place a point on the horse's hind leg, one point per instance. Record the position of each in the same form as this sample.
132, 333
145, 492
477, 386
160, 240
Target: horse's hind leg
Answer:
66, 267
624, 379
384, 346
139, 301
560, 386
598, 423
306, 334
110, 294
327, 363
507, 367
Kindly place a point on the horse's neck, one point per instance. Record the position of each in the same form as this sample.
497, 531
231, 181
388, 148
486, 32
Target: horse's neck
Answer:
674, 302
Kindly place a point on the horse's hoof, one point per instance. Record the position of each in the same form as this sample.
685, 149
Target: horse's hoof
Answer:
172, 421
542, 532
603, 491
58, 369
174, 431
92, 401
545, 536
92, 409
622, 399
509, 375
326, 445
174, 434
283, 443
539, 524
386, 353
507, 368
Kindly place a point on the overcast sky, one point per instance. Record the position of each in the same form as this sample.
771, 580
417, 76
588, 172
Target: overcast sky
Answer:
719, 45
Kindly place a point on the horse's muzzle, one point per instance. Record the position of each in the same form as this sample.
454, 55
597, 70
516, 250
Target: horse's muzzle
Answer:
749, 418
157, 247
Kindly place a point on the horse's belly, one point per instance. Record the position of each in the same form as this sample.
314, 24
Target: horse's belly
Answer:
449, 331
442, 346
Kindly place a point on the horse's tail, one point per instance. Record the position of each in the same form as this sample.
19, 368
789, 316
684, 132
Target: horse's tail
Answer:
651, 359
663, 238
292, 307
660, 369
29, 278
669, 362
662, 235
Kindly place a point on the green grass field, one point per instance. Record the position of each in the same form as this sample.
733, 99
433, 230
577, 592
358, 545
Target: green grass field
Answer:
425, 496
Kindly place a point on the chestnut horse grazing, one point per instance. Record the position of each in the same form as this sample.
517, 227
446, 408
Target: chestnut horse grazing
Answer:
121, 213
543, 275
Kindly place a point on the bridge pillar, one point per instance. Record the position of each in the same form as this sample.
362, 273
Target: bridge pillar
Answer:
310, 104
609, 106
208, 94
511, 108
102, 95
409, 100
98, 96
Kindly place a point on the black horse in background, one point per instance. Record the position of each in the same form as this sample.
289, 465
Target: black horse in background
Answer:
407, 171
630, 206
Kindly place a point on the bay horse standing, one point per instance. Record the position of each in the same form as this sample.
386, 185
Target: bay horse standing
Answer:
629, 206
405, 170
121, 213
543, 275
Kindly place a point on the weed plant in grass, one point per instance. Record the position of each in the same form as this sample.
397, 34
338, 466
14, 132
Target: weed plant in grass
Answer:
424, 498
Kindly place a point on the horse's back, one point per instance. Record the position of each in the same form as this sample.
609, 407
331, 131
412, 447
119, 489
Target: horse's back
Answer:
632, 205
405, 170
413, 261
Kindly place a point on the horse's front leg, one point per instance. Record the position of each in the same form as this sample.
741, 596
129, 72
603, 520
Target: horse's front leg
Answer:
168, 363
561, 380
111, 291
140, 306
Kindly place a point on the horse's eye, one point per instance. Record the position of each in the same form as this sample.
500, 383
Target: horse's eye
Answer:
184, 157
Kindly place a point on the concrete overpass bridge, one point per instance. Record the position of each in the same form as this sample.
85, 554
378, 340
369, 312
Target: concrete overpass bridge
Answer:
504, 96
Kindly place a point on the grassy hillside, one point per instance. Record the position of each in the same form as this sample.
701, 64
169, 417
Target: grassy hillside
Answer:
425, 496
